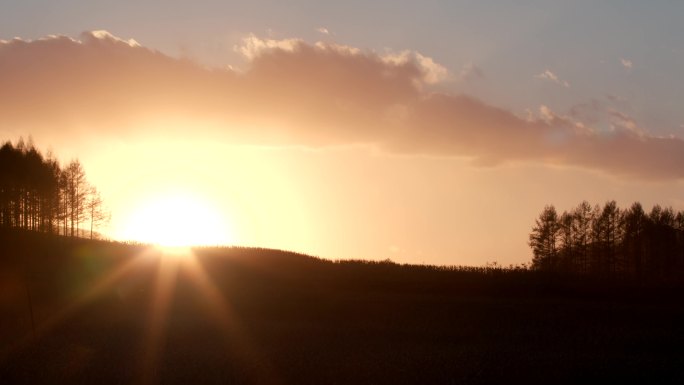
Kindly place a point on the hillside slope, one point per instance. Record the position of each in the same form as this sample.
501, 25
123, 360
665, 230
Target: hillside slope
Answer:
113, 313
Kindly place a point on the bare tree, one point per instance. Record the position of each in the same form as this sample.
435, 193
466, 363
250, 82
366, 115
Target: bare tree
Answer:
76, 190
95, 208
37, 194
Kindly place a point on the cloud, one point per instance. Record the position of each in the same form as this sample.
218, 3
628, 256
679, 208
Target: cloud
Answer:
295, 93
323, 30
253, 46
626, 63
470, 72
590, 112
621, 121
550, 76
617, 99
106, 37
432, 71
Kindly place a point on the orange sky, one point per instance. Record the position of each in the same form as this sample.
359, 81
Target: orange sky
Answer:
323, 148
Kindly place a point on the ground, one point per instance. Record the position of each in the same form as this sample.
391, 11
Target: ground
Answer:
264, 316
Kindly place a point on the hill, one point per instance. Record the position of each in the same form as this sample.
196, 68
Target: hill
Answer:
107, 312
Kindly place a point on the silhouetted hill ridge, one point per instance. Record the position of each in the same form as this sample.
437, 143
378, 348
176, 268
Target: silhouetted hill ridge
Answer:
250, 315
41, 253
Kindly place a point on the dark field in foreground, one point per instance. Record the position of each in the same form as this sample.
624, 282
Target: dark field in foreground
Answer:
263, 316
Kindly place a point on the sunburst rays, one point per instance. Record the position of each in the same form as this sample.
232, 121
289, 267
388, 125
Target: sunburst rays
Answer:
168, 266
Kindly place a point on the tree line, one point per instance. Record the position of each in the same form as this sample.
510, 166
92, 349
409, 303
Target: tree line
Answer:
37, 194
610, 241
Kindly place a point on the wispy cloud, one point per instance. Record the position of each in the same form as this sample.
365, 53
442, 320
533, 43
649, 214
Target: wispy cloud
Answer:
295, 93
470, 72
102, 35
622, 121
433, 72
550, 76
253, 46
323, 30
606, 115
626, 63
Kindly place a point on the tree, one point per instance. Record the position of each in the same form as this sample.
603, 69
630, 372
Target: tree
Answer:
567, 252
634, 239
76, 193
28, 187
544, 238
583, 219
36, 194
51, 195
610, 229
679, 231
63, 215
96, 212
611, 241
661, 237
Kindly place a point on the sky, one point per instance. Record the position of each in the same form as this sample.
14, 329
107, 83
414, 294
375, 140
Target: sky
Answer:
424, 132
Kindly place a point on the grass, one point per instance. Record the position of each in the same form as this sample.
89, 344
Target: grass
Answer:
269, 316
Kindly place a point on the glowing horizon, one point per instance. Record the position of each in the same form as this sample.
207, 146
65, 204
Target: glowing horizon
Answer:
323, 134
177, 220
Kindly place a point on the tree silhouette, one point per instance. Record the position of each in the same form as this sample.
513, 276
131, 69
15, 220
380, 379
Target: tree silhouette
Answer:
36, 194
76, 189
566, 238
608, 232
544, 238
633, 246
95, 209
609, 241
582, 219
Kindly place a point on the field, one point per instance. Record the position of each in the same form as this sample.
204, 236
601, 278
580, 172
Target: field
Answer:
113, 313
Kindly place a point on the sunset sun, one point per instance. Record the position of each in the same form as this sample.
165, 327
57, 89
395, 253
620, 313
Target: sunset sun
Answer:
178, 220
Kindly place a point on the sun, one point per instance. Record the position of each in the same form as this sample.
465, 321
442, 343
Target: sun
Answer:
178, 220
